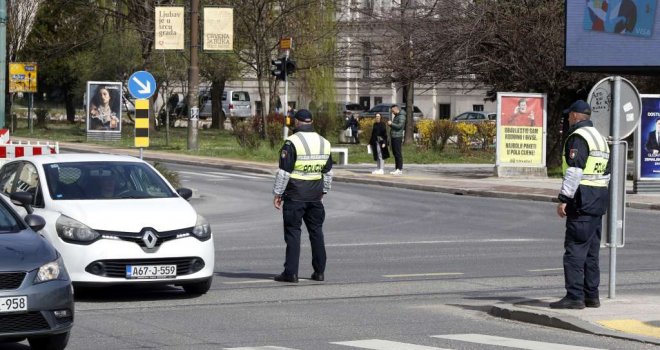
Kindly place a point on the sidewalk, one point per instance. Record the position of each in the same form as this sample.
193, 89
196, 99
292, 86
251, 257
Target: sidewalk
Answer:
633, 317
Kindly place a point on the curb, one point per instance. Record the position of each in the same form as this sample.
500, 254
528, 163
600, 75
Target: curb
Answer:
515, 313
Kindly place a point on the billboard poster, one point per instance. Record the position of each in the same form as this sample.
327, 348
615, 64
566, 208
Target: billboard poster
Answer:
218, 28
22, 77
612, 35
648, 140
521, 121
104, 106
169, 32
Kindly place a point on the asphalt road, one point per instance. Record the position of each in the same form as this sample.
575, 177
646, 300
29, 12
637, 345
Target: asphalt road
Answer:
403, 266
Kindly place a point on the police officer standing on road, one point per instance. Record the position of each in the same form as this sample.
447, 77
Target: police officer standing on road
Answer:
305, 175
583, 201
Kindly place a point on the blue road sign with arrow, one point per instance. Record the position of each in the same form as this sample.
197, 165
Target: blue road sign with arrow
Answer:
141, 84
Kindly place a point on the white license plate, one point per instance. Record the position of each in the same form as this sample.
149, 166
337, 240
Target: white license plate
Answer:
12, 304
150, 271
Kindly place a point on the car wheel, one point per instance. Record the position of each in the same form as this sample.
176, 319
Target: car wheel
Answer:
53, 342
199, 287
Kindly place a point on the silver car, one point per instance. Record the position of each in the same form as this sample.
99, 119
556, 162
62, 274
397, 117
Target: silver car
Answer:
476, 117
36, 297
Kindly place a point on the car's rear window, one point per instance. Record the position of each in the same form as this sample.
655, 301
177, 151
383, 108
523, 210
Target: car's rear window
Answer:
104, 180
240, 96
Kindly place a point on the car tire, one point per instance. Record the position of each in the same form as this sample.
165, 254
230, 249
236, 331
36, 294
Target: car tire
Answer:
198, 288
53, 342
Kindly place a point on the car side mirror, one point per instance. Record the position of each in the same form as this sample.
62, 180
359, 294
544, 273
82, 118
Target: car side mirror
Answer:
35, 222
185, 193
23, 199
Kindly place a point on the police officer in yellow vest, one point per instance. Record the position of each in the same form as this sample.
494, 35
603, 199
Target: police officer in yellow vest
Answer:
583, 200
305, 175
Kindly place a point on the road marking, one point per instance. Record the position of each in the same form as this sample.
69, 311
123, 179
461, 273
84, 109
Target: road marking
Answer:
377, 344
248, 282
261, 348
425, 274
243, 176
544, 270
510, 342
632, 326
376, 244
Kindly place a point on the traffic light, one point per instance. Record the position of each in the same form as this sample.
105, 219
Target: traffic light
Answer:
277, 69
282, 67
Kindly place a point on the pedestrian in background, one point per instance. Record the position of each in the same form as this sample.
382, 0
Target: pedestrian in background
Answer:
304, 177
583, 200
354, 125
378, 143
397, 127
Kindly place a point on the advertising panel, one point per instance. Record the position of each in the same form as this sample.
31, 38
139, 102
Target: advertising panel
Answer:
648, 142
104, 106
521, 121
218, 28
612, 35
22, 77
169, 32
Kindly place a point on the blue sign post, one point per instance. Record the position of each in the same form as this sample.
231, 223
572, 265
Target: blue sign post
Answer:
141, 84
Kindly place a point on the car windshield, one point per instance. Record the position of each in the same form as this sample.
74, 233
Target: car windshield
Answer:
8, 220
104, 180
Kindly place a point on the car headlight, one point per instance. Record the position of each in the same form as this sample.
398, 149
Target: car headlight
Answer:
53, 270
74, 231
202, 229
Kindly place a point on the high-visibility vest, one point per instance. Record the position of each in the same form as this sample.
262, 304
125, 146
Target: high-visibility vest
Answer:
312, 153
599, 155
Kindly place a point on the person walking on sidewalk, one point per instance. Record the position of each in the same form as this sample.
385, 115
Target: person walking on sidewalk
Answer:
354, 125
397, 127
583, 201
304, 176
378, 143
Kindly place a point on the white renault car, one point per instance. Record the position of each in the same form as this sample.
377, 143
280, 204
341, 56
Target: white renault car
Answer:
114, 219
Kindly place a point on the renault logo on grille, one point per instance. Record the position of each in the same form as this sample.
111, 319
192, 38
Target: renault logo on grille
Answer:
149, 238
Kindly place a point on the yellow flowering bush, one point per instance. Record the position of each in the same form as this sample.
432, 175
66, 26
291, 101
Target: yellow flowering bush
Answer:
486, 133
445, 129
366, 126
426, 135
465, 134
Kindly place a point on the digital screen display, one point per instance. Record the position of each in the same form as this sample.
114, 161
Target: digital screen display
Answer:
612, 35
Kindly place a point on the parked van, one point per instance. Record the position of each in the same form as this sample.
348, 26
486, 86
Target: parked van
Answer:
234, 104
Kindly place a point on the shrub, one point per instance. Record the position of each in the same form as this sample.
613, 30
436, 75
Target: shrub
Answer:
486, 133
246, 136
367, 126
445, 129
171, 176
42, 117
425, 128
465, 134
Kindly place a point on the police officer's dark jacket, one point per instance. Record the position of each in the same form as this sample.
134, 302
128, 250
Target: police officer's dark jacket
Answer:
302, 188
591, 196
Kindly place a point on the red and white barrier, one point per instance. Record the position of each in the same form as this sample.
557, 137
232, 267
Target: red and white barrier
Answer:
10, 150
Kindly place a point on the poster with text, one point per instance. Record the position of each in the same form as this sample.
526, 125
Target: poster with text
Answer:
521, 121
169, 22
218, 29
104, 106
649, 138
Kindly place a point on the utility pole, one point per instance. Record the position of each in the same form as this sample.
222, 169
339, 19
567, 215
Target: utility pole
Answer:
193, 77
3, 60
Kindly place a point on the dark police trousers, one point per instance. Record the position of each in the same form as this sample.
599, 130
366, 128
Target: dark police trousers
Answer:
582, 244
294, 213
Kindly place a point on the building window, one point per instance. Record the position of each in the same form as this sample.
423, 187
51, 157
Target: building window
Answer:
478, 108
368, 6
378, 100
444, 111
366, 60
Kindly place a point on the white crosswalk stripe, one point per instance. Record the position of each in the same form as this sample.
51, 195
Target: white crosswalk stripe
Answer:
378, 344
510, 342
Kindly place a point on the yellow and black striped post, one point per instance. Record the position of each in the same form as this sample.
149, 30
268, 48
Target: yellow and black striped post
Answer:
142, 123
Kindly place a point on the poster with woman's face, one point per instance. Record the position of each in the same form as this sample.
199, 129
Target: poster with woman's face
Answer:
104, 106
522, 111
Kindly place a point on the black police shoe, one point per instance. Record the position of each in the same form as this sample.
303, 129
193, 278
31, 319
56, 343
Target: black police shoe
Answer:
592, 302
317, 276
566, 303
286, 278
